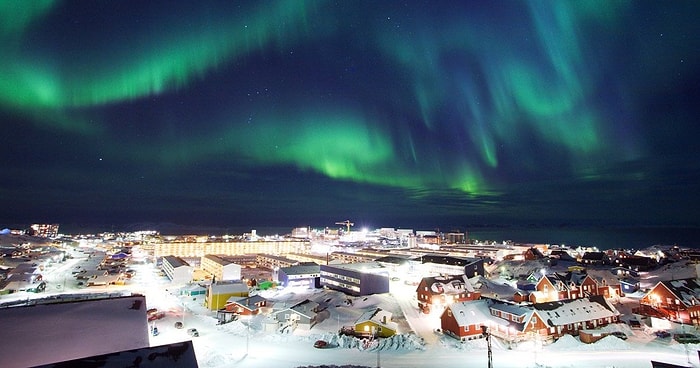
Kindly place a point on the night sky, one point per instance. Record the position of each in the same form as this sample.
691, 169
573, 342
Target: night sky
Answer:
387, 113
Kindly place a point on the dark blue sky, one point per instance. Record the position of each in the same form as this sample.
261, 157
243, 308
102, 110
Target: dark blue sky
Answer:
293, 113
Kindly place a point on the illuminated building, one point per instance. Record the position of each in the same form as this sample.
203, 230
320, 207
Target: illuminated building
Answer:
377, 323
441, 291
202, 248
44, 230
220, 268
219, 293
301, 315
177, 270
307, 275
356, 278
675, 300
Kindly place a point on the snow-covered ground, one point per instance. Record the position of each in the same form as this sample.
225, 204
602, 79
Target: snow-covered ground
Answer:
248, 344
251, 343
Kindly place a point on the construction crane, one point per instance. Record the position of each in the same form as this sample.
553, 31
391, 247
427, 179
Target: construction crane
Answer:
347, 223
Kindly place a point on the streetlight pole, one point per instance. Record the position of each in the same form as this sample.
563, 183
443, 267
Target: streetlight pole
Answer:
485, 332
376, 337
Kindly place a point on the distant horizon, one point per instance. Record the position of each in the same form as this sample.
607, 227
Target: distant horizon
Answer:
601, 236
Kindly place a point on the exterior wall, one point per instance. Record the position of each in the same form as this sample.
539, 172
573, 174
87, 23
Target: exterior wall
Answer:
550, 292
231, 271
449, 326
427, 300
474, 269
574, 328
244, 311
589, 286
353, 282
314, 281
200, 249
661, 302
218, 301
291, 316
365, 329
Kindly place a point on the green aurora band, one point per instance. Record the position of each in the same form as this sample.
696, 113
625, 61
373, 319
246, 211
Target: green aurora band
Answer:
551, 99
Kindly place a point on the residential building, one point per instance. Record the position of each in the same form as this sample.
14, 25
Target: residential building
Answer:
440, 291
375, 323
192, 247
177, 269
220, 268
675, 300
218, 293
300, 315
356, 278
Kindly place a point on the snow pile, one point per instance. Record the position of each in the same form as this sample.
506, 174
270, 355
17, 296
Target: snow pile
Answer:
234, 327
398, 342
569, 343
402, 342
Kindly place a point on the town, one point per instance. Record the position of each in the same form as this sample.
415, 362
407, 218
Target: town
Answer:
317, 283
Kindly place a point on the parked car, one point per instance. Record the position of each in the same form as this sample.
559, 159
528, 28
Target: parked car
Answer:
178, 325
619, 335
320, 344
154, 314
154, 331
635, 324
662, 334
193, 332
686, 338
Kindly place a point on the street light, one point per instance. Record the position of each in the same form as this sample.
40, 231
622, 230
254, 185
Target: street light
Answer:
375, 332
485, 332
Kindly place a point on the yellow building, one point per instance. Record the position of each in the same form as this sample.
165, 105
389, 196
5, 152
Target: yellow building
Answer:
219, 293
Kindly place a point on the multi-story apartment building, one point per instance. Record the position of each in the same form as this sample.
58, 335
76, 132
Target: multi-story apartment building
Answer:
200, 249
177, 270
220, 268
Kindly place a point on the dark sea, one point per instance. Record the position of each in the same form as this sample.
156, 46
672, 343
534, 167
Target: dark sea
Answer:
600, 237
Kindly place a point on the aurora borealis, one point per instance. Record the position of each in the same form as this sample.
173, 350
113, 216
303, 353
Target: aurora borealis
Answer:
403, 114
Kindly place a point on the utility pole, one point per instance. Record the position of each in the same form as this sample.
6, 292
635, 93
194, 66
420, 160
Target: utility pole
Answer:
376, 337
485, 332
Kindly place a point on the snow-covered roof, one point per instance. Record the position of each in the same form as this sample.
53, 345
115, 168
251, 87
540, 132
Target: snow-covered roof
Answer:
380, 317
686, 290
448, 284
231, 287
305, 307
304, 269
565, 312
474, 312
77, 329
174, 355
249, 303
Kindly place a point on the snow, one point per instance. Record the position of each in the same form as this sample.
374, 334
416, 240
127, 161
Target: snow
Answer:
256, 343
246, 343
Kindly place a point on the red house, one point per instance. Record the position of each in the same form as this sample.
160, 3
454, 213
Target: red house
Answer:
247, 306
675, 300
463, 320
441, 291
575, 285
